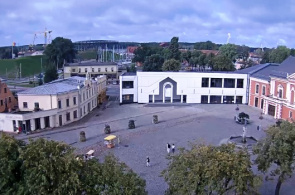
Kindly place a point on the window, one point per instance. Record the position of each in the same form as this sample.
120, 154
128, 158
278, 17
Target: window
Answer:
92, 69
263, 90
262, 103
81, 111
79, 70
36, 104
5, 90
25, 104
215, 99
98, 69
127, 98
205, 82
75, 114
229, 83
68, 102
280, 93
216, 82
85, 69
1, 102
59, 104
256, 102
9, 99
83, 96
240, 83
112, 69
68, 116
73, 70
106, 69
239, 99
228, 99
290, 114
74, 100
127, 84
257, 88
204, 99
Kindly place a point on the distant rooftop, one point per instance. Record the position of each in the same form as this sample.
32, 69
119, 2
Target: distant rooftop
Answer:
56, 87
91, 63
129, 74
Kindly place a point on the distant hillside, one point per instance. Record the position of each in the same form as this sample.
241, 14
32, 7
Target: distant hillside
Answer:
29, 66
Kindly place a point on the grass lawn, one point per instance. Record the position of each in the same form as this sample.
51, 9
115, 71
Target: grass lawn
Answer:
30, 66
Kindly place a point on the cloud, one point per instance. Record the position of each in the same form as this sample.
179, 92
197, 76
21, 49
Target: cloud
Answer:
249, 23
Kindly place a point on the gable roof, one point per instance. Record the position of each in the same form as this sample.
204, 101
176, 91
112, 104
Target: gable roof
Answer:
286, 68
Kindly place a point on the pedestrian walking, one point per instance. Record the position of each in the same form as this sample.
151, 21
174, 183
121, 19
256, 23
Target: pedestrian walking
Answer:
173, 148
168, 148
148, 161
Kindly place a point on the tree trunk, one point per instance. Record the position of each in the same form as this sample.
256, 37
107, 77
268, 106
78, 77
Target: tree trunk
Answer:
278, 186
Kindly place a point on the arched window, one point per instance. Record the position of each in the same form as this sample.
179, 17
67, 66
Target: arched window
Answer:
280, 91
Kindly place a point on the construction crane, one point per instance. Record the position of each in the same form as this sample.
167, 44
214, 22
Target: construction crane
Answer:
47, 36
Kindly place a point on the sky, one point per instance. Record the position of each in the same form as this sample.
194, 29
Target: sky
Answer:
255, 23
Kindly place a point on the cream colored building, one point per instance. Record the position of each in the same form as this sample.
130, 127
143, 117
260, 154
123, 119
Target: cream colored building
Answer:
54, 104
110, 69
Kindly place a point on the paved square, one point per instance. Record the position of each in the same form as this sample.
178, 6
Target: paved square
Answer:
212, 123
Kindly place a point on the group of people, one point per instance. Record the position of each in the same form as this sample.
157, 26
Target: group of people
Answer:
169, 148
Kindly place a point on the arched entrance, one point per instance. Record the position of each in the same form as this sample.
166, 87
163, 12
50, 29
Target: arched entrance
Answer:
168, 92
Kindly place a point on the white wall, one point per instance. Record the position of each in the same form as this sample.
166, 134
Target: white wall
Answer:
129, 90
188, 83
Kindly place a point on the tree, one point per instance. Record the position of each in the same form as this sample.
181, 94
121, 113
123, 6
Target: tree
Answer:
10, 164
278, 147
132, 68
111, 177
50, 167
171, 65
50, 74
292, 52
243, 52
279, 54
60, 49
210, 60
174, 49
186, 56
194, 60
229, 50
265, 57
207, 169
202, 60
208, 45
223, 63
153, 63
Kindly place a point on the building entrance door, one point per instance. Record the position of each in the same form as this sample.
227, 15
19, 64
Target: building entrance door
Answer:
271, 110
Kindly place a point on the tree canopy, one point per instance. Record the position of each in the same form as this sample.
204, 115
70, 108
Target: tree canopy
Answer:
171, 65
223, 63
278, 147
229, 50
50, 167
60, 49
153, 63
279, 54
208, 45
174, 52
207, 169
50, 74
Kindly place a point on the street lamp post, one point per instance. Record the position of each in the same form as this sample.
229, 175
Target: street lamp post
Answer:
259, 127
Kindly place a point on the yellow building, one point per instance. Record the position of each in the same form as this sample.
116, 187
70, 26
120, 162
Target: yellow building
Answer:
110, 69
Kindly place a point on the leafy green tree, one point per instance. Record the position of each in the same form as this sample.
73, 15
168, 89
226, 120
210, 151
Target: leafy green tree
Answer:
194, 60
10, 164
210, 60
278, 147
171, 65
279, 54
223, 63
186, 56
50, 168
50, 74
243, 52
174, 49
111, 177
292, 52
207, 169
153, 63
229, 50
265, 57
132, 68
202, 60
59, 50
208, 45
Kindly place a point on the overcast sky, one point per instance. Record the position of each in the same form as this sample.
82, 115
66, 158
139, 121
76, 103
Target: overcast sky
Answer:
250, 22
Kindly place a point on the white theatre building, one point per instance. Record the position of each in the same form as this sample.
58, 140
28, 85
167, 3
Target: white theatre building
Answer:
184, 87
54, 104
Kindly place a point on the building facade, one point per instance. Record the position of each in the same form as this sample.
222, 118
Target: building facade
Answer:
272, 90
55, 104
183, 87
7, 99
110, 69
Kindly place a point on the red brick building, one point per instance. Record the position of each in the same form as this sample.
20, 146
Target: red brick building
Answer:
272, 89
7, 100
